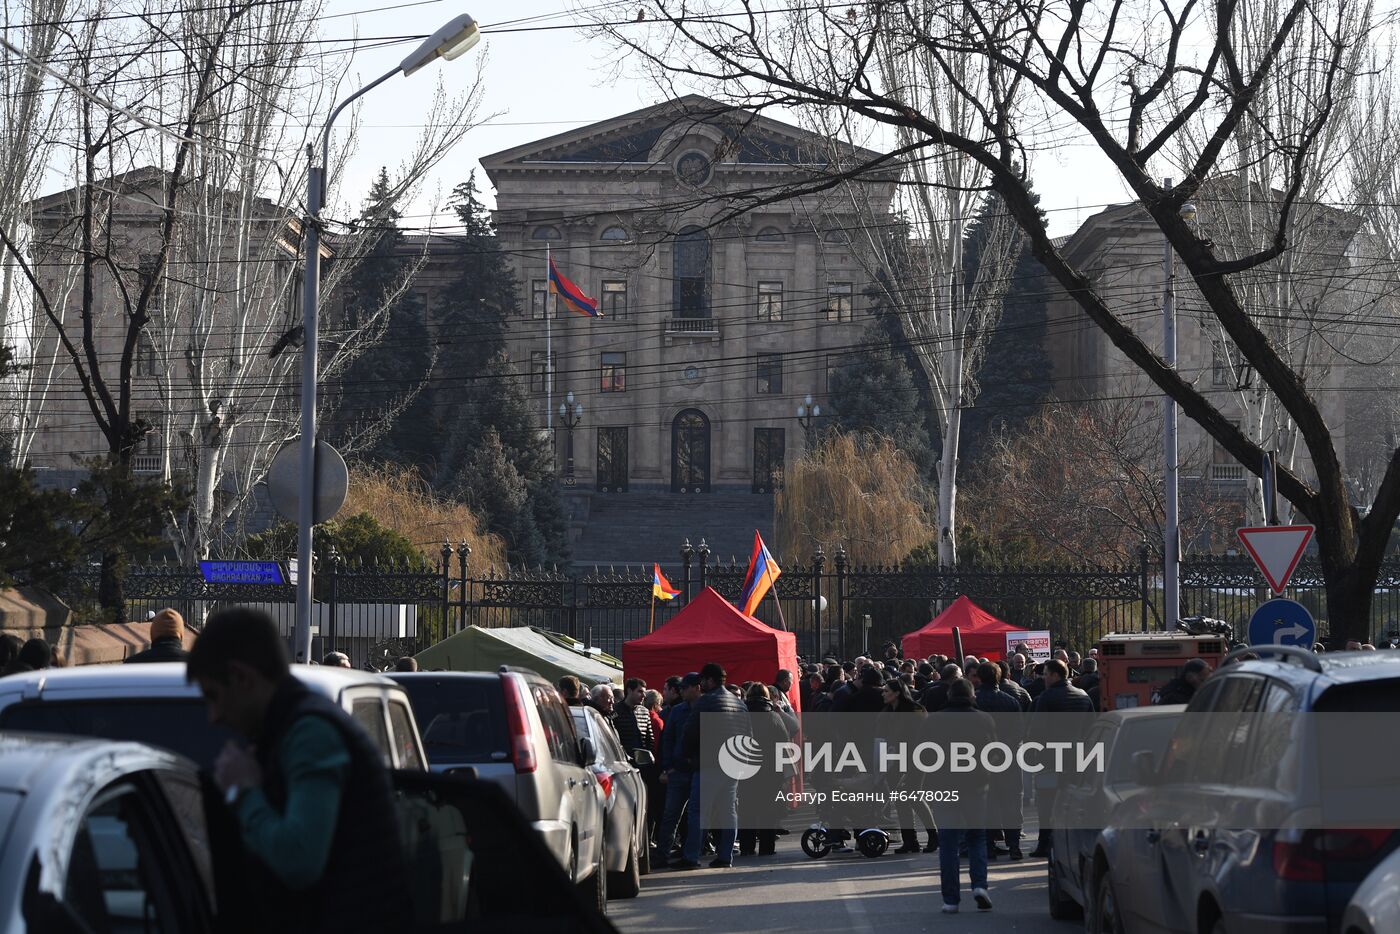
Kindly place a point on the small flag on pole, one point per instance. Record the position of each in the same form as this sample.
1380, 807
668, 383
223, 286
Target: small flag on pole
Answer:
763, 572
570, 294
661, 588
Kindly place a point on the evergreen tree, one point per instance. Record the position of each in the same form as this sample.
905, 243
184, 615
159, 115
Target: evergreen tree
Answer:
490, 449
387, 377
1014, 377
875, 395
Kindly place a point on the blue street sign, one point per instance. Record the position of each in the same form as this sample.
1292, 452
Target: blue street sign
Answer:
1282, 622
241, 572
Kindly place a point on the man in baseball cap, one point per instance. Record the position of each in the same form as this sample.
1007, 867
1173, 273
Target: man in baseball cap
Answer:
167, 639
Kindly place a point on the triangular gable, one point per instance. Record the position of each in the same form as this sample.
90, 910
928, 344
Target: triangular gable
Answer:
632, 137
709, 618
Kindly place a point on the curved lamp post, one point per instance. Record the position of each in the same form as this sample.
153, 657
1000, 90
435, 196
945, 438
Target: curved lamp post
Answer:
448, 43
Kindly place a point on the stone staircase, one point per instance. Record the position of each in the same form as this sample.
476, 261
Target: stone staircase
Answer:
639, 528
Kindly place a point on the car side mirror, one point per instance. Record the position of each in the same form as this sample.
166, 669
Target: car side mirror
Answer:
587, 752
643, 757
1145, 767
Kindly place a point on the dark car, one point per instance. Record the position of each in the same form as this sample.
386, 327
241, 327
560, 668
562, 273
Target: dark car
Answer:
1198, 854
1122, 732
116, 836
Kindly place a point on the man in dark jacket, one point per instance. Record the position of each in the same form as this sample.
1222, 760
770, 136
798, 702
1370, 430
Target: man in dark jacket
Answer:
676, 774
936, 697
714, 802
992, 699
167, 639
1059, 696
1009, 685
960, 721
1182, 688
312, 797
868, 698
632, 720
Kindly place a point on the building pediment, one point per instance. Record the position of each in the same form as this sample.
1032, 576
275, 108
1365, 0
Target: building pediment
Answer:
658, 134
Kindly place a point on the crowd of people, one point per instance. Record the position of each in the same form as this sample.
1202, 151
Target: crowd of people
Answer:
688, 822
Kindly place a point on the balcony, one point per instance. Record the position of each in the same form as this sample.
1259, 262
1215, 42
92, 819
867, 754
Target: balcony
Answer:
145, 463
1227, 471
692, 328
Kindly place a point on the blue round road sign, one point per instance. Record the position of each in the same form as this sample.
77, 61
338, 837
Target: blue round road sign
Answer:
1282, 622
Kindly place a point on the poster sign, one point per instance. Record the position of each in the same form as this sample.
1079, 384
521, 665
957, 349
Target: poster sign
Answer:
241, 572
1034, 644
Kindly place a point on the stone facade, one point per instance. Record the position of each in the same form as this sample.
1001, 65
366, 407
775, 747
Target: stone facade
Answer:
716, 322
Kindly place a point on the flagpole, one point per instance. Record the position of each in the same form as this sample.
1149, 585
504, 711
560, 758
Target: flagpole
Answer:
773, 589
651, 620
548, 356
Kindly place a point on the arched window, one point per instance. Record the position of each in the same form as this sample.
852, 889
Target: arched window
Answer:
837, 236
546, 232
690, 274
614, 233
770, 235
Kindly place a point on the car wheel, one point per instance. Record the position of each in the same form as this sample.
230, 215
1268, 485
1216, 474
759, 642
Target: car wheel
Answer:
1106, 918
1062, 907
628, 883
595, 887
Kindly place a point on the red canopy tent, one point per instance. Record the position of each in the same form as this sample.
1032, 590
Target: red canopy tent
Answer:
711, 629
982, 633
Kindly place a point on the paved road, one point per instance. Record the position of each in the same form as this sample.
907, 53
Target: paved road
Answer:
844, 892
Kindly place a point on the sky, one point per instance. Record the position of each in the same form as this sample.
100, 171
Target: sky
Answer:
543, 81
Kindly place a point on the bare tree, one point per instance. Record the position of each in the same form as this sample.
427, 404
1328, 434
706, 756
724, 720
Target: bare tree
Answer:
1135, 78
183, 148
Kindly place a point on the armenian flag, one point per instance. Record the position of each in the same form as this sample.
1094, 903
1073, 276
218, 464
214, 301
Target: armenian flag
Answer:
763, 572
661, 588
570, 294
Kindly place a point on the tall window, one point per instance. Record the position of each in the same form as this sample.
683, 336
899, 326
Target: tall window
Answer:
612, 460
1219, 366
537, 371
770, 373
539, 298
614, 372
690, 274
149, 451
614, 298
840, 302
145, 272
770, 301
145, 355
769, 450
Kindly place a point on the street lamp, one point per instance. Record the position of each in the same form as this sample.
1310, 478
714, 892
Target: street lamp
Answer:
807, 415
1171, 543
570, 414
449, 42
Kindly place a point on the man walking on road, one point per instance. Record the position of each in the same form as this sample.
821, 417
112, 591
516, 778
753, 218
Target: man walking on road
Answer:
1059, 696
963, 822
677, 772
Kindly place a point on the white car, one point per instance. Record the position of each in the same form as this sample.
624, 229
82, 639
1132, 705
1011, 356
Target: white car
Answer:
154, 704
1375, 908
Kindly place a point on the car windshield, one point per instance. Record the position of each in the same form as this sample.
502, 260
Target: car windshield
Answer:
463, 719
178, 724
1137, 735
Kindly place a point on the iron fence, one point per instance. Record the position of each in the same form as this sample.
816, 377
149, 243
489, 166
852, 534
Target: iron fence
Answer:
376, 613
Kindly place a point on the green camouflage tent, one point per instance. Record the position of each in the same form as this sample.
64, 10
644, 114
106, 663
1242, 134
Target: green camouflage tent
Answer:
551, 654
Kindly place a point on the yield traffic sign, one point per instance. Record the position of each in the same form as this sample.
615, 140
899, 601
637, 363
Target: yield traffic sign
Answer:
1276, 550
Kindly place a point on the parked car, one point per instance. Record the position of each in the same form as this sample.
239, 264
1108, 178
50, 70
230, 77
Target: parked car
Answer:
1204, 864
118, 836
1122, 732
154, 704
513, 728
1375, 908
625, 797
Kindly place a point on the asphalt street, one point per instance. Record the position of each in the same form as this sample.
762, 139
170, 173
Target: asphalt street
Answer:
790, 892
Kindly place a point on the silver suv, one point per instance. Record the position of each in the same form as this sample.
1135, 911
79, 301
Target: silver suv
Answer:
512, 727
154, 704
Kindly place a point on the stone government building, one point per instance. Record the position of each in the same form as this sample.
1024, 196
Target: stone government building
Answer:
714, 328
